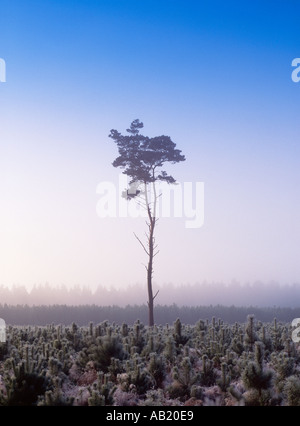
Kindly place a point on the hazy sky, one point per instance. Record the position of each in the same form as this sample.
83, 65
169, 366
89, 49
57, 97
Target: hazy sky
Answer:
213, 75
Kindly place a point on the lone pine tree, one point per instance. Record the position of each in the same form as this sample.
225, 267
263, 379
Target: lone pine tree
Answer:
142, 159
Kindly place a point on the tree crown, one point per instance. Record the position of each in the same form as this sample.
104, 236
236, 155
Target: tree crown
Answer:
142, 158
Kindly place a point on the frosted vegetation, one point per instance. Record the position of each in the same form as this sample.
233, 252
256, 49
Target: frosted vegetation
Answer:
209, 363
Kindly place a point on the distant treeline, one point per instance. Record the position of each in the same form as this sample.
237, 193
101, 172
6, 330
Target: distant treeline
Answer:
84, 314
205, 294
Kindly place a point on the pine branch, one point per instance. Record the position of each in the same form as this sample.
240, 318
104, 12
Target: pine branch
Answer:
141, 244
155, 295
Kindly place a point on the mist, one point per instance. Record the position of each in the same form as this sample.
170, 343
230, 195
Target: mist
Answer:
234, 294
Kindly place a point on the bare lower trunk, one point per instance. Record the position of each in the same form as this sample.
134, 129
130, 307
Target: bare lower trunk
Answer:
150, 273
150, 250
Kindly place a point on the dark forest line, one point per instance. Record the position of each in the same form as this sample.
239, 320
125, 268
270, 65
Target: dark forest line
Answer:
199, 294
84, 314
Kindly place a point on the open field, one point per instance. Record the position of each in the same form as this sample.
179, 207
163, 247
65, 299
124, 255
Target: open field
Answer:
209, 363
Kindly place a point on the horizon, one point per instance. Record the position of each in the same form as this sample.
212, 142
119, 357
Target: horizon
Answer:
257, 294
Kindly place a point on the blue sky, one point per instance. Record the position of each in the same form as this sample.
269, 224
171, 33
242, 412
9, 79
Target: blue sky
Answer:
214, 75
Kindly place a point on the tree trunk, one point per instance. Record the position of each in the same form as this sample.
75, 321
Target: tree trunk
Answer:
151, 249
150, 272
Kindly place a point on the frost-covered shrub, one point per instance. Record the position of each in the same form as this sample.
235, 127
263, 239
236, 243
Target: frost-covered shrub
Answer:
107, 364
292, 391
